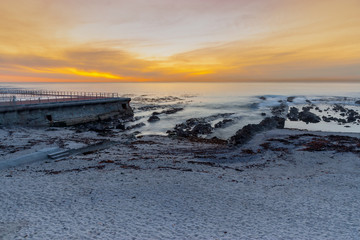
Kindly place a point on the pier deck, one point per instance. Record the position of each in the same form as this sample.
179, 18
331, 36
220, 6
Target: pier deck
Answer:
47, 108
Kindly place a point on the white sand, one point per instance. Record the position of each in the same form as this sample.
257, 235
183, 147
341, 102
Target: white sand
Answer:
152, 191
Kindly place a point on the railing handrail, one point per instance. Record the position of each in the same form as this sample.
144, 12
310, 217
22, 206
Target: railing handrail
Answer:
31, 96
56, 93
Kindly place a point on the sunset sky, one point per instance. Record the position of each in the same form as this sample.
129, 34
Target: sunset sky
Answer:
189, 40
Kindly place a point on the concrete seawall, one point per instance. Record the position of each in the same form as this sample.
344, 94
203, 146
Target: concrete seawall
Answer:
64, 113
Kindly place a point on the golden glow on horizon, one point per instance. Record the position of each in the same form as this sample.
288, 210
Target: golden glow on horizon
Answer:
75, 72
228, 41
202, 72
89, 74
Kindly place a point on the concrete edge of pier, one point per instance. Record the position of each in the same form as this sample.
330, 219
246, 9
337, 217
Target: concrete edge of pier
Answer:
41, 155
47, 105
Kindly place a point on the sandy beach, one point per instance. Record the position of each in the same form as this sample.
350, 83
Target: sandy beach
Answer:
283, 184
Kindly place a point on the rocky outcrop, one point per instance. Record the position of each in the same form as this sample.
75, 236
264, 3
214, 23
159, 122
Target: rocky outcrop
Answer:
153, 118
138, 125
243, 135
339, 108
223, 123
290, 99
172, 110
293, 114
280, 110
168, 111
202, 128
120, 126
191, 128
305, 115
196, 126
350, 115
309, 117
334, 119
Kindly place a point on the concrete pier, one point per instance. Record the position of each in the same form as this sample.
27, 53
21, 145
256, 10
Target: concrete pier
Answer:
63, 113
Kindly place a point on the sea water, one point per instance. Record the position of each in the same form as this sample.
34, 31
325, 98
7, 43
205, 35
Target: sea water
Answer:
246, 102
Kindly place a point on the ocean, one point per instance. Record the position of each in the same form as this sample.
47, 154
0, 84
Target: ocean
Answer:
243, 102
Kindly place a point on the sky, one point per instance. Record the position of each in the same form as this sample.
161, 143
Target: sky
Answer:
188, 40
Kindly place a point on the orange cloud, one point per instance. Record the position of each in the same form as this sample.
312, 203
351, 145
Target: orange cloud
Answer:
248, 40
75, 72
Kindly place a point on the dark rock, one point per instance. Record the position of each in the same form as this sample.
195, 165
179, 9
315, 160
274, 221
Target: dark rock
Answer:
136, 118
308, 101
290, 99
191, 128
334, 119
217, 116
309, 117
149, 107
293, 114
326, 119
172, 110
194, 126
202, 128
50, 129
97, 128
263, 114
223, 123
243, 135
352, 112
153, 119
279, 110
138, 125
357, 102
341, 120
120, 126
262, 98
352, 115
168, 111
351, 119
307, 108
340, 108
59, 124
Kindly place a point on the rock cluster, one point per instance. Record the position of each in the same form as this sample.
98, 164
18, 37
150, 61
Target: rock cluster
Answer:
349, 114
290, 99
168, 111
223, 123
155, 118
191, 128
279, 110
199, 126
309, 117
243, 135
293, 114
305, 115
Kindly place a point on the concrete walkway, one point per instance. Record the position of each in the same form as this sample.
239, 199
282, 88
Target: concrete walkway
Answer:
27, 159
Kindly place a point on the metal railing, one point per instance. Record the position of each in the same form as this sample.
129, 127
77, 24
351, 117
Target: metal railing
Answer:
22, 96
